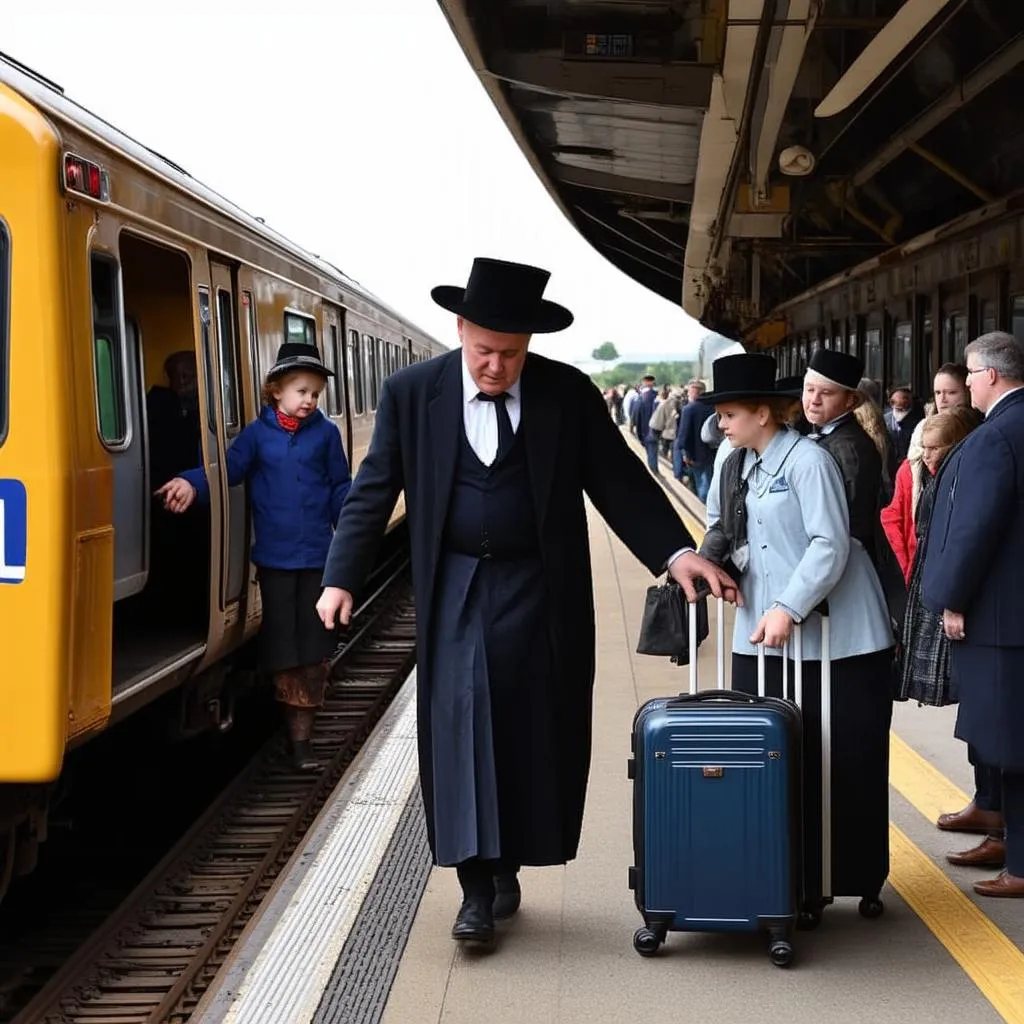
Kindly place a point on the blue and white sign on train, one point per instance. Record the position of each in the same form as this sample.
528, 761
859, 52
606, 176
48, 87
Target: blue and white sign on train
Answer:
13, 531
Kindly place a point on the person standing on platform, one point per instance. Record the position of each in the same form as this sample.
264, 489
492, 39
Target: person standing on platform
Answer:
777, 511
971, 577
495, 448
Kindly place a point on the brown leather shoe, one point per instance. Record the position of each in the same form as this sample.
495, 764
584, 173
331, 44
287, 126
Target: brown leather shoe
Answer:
990, 853
970, 819
1003, 884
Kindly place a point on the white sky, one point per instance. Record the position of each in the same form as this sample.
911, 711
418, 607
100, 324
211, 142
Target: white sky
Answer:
361, 133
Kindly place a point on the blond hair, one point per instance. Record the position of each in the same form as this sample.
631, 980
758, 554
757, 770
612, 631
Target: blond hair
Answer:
869, 416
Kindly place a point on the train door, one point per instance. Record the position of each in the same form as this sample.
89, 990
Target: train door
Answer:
235, 513
119, 407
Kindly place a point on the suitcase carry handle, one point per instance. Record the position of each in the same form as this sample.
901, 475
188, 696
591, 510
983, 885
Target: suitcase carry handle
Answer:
726, 696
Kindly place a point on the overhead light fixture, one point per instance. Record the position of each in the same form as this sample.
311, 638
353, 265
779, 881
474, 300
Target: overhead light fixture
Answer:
796, 161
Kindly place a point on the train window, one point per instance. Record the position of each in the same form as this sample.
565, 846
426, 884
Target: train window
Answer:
299, 329
228, 366
108, 355
851, 343
204, 330
5, 324
355, 374
1017, 318
901, 357
254, 345
336, 390
988, 316
370, 372
873, 354
954, 338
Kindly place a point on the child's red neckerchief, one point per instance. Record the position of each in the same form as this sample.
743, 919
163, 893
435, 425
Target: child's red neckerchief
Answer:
289, 423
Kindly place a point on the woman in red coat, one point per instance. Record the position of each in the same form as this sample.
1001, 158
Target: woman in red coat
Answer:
899, 516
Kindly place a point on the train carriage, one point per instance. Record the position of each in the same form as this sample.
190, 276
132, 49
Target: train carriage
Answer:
112, 258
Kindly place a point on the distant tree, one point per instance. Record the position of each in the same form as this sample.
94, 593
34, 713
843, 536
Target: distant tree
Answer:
630, 373
605, 352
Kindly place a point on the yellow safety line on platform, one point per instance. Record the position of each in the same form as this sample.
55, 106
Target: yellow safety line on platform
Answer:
990, 959
986, 955
921, 783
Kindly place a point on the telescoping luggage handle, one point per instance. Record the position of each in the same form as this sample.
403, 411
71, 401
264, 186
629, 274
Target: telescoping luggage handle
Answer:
798, 698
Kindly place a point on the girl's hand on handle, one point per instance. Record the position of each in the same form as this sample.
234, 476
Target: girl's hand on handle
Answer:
178, 494
774, 629
334, 601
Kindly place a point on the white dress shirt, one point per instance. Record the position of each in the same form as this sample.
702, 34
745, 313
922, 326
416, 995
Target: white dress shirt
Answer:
481, 418
481, 422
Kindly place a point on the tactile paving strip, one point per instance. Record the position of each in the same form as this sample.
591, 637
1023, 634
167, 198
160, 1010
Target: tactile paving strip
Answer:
359, 987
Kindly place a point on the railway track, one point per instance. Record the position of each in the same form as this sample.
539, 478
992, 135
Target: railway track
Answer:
153, 959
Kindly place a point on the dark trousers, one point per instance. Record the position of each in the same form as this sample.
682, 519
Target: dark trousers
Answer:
1013, 812
476, 876
861, 715
652, 455
988, 784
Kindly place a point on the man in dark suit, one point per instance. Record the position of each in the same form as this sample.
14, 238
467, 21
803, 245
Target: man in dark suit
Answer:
495, 449
903, 415
971, 576
695, 455
643, 410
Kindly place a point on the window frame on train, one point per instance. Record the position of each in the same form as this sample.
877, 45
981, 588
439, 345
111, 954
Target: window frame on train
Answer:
308, 327
254, 346
5, 326
336, 390
115, 388
232, 402
203, 293
355, 373
370, 371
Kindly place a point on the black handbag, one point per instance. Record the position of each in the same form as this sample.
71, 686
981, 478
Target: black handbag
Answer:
664, 630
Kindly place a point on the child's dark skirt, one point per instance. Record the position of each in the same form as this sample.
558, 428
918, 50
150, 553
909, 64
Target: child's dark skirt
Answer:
292, 638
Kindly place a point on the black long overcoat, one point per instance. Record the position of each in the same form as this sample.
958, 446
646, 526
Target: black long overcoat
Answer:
573, 447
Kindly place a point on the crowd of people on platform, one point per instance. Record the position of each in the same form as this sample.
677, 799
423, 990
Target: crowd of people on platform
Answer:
910, 532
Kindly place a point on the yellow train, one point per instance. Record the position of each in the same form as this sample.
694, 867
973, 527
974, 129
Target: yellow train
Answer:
112, 260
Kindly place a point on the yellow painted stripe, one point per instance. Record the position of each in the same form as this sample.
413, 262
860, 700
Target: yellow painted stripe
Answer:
986, 955
921, 783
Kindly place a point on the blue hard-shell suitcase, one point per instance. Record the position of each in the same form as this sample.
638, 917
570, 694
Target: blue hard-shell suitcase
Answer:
717, 814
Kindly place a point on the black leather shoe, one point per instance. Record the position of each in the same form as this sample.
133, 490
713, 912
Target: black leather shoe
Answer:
474, 924
507, 896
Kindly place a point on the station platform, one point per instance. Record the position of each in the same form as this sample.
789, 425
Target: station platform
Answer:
357, 929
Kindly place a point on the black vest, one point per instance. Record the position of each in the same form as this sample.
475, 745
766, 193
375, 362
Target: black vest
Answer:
490, 511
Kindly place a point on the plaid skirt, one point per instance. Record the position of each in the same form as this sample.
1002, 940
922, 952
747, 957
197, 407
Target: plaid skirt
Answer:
924, 673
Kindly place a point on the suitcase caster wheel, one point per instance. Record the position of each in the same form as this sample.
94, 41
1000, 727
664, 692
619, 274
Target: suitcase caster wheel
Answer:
808, 920
781, 954
871, 908
645, 942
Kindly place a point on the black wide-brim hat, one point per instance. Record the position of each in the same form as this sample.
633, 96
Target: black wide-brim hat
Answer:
505, 297
293, 355
790, 387
742, 376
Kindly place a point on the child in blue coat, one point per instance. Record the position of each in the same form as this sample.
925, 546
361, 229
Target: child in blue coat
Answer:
298, 477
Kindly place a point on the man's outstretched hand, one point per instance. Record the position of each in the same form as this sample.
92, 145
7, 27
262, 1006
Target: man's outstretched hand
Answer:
689, 568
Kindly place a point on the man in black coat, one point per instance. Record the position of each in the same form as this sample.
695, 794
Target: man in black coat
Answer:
495, 449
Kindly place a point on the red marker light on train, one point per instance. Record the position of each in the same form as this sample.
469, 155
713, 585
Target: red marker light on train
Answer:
86, 178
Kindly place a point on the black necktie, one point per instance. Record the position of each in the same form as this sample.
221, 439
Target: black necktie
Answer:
505, 433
